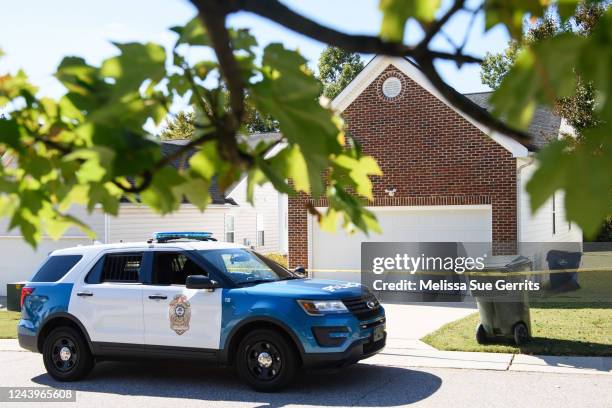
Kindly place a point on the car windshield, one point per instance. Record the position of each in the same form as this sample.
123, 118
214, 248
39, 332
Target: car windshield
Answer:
245, 267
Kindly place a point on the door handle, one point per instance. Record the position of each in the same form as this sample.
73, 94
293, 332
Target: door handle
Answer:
158, 297
84, 294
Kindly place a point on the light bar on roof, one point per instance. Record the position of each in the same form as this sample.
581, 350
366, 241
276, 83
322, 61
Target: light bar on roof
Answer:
171, 236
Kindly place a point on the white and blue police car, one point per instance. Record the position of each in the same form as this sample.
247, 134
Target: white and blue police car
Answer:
185, 295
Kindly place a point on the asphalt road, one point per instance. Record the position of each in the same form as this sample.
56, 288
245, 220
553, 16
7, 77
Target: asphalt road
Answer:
163, 384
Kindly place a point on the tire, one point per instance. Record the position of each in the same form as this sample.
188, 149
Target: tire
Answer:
520, 333
481, 334
266, 361
66, 355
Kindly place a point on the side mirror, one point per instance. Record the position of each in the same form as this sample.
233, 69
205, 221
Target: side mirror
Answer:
300, 270
200, 282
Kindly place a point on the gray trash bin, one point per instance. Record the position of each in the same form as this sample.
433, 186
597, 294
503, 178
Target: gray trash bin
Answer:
504, 317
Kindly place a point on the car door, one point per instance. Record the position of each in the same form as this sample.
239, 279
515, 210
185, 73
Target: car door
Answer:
108, 300
175, 316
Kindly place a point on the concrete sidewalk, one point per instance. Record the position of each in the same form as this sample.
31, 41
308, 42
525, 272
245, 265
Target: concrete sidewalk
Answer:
399, 353
407, 324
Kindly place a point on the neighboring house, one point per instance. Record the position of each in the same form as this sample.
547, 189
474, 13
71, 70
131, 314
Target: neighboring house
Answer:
445, 176
262, 226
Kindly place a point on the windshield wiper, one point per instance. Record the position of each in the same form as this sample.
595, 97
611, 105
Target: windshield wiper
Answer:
256, 281
291, 277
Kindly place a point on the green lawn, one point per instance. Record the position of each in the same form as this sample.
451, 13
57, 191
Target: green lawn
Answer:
556, 330
572, 323
8, 324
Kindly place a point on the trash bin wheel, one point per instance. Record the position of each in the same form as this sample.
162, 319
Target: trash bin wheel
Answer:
520, 333
481, 334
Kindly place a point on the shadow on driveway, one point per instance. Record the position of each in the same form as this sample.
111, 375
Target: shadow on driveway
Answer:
359, 385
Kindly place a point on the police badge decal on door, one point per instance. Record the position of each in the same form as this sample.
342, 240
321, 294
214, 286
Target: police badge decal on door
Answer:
180, 314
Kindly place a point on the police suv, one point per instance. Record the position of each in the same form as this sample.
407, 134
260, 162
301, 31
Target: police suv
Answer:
184, 295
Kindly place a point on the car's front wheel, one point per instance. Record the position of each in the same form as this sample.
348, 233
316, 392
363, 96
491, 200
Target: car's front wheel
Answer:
266, 360
66, 355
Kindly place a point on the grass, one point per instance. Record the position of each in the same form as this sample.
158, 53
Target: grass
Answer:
571, 323
8, 324
556, 330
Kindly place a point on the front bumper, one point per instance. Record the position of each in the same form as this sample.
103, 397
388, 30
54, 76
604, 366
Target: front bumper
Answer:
358, 350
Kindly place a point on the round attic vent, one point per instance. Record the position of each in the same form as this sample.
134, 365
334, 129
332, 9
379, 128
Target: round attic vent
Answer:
392, 87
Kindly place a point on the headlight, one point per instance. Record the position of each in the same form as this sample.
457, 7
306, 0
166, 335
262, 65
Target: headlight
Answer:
321, 307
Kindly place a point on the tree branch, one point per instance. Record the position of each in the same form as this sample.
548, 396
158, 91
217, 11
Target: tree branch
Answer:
279, 13
366, 44
213, 14
434, 28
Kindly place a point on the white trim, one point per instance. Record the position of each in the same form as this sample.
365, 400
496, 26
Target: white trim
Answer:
310, 231
379, 63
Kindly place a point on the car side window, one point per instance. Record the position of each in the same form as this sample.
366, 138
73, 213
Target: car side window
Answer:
124, 267
172, 268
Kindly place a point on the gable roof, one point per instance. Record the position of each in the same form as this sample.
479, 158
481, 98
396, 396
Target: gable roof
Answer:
379, 63
544, 126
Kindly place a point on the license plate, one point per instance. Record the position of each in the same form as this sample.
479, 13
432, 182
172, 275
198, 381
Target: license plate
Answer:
378, 333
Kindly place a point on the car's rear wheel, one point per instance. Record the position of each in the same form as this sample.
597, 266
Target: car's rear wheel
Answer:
66, 355
266, 360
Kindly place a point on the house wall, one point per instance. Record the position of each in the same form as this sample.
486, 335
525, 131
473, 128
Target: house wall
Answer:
538, 226
428, 153
266, 203
536, 229
95, 221
136, 223
19, 261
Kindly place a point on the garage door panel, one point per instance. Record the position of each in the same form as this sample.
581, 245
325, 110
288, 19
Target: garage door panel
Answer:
338, 255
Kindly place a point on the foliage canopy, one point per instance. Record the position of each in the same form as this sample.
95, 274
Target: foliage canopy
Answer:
90, 146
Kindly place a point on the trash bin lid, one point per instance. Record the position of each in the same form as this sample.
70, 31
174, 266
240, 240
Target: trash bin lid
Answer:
504, 262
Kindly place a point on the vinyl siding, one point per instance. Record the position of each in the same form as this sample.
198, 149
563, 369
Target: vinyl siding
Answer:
137, 223
266, 203
538, 227
95, 221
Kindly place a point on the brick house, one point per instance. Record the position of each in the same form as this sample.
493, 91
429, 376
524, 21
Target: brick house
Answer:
445, 176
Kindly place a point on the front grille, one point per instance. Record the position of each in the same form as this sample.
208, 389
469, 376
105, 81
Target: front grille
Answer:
358, 305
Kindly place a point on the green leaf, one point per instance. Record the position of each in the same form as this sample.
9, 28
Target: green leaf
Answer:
136, 63
290, 163
289, 93
359, 170
192, 33
550, 174
541, 74
206, 161
195, 190
106, 194
164, 195
10, 133
397, 12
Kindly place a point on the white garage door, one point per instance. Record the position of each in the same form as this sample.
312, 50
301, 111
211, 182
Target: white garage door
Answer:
18, 260
338, 255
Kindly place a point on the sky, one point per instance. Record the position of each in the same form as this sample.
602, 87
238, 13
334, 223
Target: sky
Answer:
35, 35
